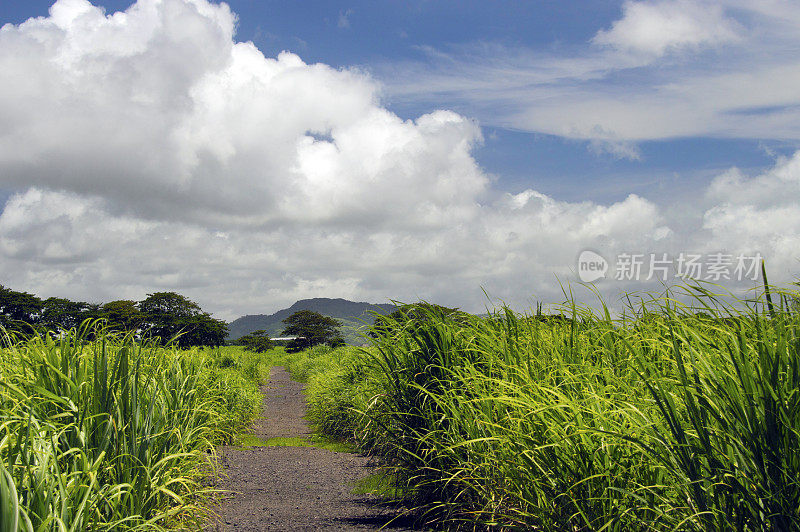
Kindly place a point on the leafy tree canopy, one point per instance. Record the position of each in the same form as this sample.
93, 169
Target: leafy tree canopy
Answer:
203, 330
163, 314
59, 313
311, 328
169, 303
18, 309
257, 341
167, 314
122, 315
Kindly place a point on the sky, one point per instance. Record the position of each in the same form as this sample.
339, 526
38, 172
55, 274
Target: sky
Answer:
251, 153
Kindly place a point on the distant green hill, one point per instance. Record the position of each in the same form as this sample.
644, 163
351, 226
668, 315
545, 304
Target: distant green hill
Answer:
350, 313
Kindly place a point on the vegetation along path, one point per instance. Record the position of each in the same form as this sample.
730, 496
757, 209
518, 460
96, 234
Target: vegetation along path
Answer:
288, 488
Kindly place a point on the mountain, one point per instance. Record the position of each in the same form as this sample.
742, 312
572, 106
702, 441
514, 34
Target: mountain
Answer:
352, 314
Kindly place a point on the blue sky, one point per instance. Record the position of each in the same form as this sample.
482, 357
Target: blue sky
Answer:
661, 118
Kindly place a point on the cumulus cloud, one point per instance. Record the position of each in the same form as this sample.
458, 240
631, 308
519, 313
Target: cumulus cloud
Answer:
654, 28
148, 150
759, 213
71, 245
159, 111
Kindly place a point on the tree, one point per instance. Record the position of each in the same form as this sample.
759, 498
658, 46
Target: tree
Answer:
257, 341
166, 314
122, 315
18, 309
169, 303
59, 313
204, 330
311, 328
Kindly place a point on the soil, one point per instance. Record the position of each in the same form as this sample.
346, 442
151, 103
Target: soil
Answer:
295, 488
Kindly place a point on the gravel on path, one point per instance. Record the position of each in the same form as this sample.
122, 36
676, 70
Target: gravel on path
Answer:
294, 488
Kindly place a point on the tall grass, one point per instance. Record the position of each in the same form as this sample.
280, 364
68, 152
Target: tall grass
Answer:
338, 388
110, 434
673, 417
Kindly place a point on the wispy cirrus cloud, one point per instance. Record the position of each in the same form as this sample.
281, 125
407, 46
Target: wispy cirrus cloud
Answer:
343, 23
666, 69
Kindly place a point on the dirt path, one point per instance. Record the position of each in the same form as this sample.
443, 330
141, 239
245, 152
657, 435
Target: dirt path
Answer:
294, 488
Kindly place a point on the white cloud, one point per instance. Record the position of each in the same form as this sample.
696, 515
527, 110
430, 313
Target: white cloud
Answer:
654, 28
158, 110
74, 246
619, 149
344, 19
761, 213
665, 69
149, 151
515, 246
